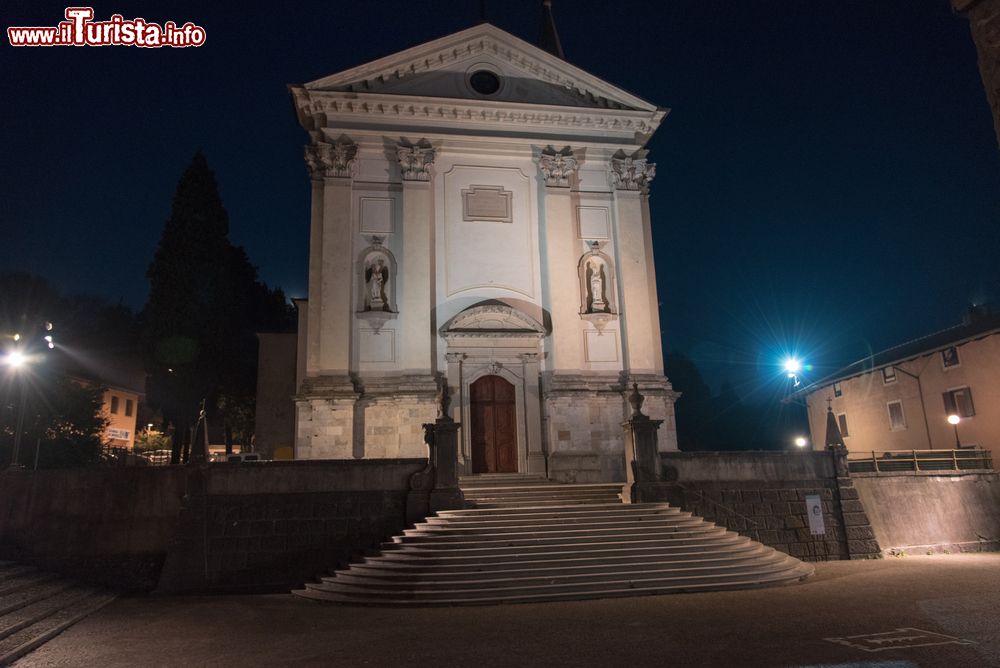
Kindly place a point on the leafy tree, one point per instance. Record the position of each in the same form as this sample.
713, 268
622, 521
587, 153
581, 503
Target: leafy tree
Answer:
205, 306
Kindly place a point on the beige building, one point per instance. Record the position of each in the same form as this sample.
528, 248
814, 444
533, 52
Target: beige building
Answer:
901, 398
121, 408
480, 217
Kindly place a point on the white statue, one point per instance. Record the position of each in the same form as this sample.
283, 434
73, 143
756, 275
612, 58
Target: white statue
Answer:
377, 275
595, 271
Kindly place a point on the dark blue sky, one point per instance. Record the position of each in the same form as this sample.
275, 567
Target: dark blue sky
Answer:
827, 181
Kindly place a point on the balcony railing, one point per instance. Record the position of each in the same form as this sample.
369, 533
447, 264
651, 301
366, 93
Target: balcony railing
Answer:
916, 461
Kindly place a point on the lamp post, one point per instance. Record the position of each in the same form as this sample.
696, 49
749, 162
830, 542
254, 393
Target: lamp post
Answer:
953, 420
801, 441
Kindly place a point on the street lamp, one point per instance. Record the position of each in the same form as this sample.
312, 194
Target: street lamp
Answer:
953, 420
801, 441
18, 359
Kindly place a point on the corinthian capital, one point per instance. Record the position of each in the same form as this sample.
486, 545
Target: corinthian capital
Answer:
557, 166
632, 173
415, 162
331, 160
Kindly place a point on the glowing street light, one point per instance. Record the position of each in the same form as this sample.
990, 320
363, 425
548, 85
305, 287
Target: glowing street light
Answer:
953, 420
801, 441
15, 359
792, 367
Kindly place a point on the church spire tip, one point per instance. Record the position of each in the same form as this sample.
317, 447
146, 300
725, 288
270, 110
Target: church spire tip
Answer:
548, 38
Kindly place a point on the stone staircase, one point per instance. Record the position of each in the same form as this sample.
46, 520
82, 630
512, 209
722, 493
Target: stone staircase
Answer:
36, 607
524, 539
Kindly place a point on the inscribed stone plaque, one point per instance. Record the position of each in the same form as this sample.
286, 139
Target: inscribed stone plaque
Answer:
377, 346
487, 203
376, 215
601, 346
593, 222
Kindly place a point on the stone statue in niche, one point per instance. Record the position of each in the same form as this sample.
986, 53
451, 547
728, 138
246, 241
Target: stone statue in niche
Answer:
596, 280
377, 280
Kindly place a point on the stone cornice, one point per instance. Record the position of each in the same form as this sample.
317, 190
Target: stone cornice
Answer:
393, 109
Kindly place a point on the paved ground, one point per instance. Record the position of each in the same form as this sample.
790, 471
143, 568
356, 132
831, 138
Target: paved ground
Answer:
954, 595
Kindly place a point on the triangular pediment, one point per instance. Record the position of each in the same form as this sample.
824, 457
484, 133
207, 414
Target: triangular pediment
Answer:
444, 68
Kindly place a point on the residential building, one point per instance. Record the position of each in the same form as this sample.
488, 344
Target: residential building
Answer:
902, 398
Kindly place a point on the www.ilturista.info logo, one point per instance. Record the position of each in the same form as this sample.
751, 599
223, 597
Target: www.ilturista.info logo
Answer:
79, 29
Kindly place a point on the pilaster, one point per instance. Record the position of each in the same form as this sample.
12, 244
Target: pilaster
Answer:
415, 162
630, 177
557, 169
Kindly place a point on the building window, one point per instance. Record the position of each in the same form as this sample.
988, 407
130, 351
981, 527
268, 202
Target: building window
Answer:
949, 357
897, 421
842, 422
889, 375
836, 390
114, 405
128, 408
959, 402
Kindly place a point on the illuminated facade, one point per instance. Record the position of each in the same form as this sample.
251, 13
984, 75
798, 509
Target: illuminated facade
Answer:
480, 217
901, 398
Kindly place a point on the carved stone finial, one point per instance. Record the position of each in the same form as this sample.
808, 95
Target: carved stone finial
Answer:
415, 162
557, 166
377, 240
636, 399
331, 160
632, 173
494, 368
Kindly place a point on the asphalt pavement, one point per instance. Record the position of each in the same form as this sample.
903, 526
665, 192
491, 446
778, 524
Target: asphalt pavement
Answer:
894, 613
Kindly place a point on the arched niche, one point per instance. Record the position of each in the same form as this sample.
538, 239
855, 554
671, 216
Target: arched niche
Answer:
377, 279
597, 284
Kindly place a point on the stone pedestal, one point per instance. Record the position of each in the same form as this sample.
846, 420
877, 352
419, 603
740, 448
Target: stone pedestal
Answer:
436, 487
643, 469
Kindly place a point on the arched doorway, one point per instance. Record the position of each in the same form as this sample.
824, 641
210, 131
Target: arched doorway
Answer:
493, 401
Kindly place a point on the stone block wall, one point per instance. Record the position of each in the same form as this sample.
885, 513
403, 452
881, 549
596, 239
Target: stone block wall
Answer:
259, 526
324, 428
762, 495
393, 427
584, 432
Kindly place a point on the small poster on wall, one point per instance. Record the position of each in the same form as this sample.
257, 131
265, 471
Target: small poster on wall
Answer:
814, 509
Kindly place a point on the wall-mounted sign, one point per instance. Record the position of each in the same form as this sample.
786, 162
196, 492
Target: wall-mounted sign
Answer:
118, 434
814, 509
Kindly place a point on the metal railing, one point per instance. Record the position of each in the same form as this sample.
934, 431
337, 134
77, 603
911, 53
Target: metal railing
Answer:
916, 461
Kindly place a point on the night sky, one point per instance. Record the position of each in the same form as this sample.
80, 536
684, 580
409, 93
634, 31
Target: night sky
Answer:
827, 182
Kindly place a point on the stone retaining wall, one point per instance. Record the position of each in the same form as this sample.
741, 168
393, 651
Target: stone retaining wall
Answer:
762, 495
260, 526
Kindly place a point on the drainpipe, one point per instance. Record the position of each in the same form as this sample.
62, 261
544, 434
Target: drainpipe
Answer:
923, 408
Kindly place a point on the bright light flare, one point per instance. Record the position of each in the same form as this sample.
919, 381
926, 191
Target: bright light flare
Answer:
792, 366
15, 359
954, 419
801, 441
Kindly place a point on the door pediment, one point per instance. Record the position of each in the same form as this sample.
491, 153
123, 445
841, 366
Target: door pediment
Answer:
494, 320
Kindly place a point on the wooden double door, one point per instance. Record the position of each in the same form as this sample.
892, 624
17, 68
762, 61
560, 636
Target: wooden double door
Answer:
494, 425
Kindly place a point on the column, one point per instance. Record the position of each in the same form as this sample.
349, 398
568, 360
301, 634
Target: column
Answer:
416, 347
562, 253
630, 177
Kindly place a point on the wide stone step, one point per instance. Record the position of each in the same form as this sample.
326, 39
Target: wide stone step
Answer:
21, 582
548, 515
738, 547
704, 542
568, 510
521, 581
555, 488
772, 574
627, 533
650, 522
361, 574
41, 608
566, 545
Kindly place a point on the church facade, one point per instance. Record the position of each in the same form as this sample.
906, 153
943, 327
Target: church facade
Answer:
479, 218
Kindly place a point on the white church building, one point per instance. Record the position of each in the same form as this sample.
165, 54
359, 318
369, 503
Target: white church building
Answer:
479, 216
